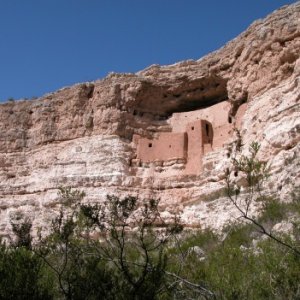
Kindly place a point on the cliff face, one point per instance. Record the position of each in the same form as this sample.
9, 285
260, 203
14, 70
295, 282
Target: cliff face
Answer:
87, 136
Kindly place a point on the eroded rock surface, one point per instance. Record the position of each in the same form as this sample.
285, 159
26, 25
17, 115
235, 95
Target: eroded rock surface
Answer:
84, 136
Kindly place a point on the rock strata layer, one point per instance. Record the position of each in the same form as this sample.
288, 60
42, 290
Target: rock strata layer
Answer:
84, 136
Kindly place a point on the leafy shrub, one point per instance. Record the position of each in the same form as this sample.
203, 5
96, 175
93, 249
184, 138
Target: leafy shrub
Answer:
273, 211
20, 275
147, 262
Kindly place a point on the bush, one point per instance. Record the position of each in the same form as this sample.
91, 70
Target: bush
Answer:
146, 262
124, 264
236, 268
273, 211
20, 275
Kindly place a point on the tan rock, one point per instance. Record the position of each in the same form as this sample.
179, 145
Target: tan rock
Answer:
87, 136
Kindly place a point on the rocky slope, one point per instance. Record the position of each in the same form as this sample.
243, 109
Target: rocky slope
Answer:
81, 136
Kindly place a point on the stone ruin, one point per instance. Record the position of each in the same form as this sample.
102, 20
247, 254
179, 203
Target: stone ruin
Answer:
193, 135
163, 132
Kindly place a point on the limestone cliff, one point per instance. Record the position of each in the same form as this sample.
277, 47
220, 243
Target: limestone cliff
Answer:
86, 136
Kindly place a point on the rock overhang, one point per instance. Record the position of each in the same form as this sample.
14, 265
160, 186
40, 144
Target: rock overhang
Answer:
38, 138
186, 94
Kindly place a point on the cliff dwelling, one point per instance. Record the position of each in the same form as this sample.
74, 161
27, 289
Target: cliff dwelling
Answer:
161, 133
193, 135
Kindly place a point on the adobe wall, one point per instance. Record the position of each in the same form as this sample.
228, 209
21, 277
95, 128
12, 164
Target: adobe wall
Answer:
221, 135
217, 115
190, 145
224, 131
167, 146
195, 140
194, 134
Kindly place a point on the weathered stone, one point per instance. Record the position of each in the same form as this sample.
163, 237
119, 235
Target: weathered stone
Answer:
87, 136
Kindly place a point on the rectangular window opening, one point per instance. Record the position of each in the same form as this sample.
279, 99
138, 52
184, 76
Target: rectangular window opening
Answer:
207, 129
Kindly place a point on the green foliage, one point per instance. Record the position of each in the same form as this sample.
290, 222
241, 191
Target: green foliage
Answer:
237, 272
273, 211
273, 264
137, 258
255, 170
296, 200
21, 228
123, 264
235, 267
205, 239
116, 250
215, 195
70, 197
20, 275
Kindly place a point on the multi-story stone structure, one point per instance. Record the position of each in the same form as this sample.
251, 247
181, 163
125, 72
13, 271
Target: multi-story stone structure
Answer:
194, 134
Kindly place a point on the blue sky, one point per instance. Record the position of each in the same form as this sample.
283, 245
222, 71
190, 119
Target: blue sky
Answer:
49, 44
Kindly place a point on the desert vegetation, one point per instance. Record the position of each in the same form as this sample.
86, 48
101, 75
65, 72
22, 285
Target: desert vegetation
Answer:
123, 249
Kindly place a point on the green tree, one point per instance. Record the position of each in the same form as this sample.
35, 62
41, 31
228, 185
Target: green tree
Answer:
256, 172
115, 250
20, 274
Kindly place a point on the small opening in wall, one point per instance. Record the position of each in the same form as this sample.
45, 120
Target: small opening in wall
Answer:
207, 129
229, 119
236, 173
192, 127
134, 113
150, 145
